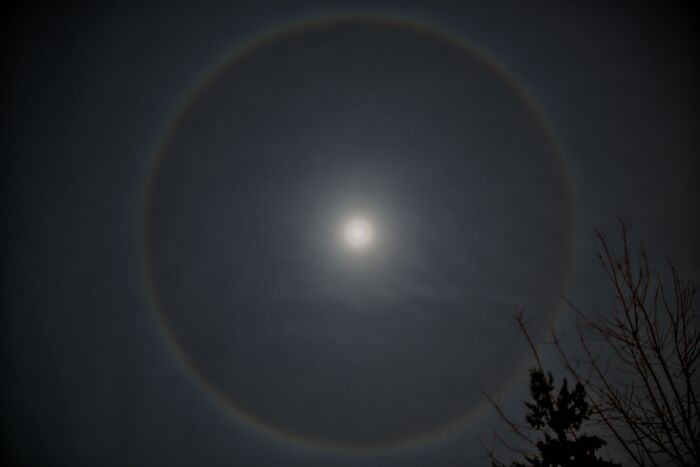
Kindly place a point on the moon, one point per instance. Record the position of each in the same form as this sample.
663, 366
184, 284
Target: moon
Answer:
358, 233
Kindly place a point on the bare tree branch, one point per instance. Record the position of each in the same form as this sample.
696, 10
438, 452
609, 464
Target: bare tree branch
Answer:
649, 403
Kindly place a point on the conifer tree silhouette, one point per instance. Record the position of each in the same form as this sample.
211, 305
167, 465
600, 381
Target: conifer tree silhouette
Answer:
558, 419
553, 436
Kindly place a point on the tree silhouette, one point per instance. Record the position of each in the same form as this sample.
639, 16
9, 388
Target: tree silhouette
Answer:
553, 435
636, 373
640, 359
559, 418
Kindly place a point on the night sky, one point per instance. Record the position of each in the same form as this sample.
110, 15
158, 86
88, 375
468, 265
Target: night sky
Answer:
271, 234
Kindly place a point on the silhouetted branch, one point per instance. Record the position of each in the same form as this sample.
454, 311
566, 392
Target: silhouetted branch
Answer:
638, 365
649, 403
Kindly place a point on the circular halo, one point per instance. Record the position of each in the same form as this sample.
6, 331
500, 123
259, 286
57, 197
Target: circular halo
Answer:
158, 298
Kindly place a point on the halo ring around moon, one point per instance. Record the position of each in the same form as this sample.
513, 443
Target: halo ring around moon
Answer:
155, 294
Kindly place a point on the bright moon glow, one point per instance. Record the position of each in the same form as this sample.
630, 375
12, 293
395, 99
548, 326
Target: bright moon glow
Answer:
358, 233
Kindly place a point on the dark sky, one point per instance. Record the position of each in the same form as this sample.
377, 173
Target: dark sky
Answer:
176, 285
